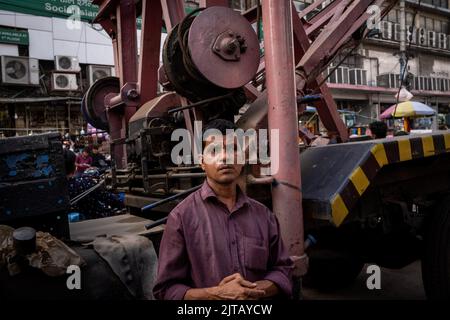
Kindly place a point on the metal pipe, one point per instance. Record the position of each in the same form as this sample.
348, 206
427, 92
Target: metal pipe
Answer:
169, 199
282, 116
156, 223
168, 176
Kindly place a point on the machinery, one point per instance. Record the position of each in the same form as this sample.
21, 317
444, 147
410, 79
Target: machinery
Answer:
382, 201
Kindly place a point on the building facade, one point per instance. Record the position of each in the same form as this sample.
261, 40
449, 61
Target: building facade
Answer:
48, 61
50, 53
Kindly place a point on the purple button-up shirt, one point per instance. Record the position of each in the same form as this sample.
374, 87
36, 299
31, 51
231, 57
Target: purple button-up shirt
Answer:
204, 242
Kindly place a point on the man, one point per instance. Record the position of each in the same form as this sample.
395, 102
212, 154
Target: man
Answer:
82, 162
98, 160
378, 129
220, 244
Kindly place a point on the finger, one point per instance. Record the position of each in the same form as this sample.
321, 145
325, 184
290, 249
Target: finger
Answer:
255, 293
246, 283
229, 278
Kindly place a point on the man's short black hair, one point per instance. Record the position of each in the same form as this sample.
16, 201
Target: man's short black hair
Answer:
379, 129
220, 124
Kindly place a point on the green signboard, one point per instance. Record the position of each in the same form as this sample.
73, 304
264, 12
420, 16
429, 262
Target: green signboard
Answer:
13, 36
76, 9
52, 8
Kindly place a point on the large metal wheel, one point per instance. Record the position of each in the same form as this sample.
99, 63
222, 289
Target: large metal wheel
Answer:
93, 104
436, 259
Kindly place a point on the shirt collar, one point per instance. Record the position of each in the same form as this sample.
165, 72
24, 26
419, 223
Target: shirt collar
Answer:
207, 192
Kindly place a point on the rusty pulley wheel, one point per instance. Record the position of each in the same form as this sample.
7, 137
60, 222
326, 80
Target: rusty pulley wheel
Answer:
224, 47
93, 104
188, 81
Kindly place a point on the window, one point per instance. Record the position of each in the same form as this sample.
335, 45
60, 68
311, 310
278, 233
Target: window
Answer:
409, 18
421, 22
445, 27
429, 24
392, 16
437, 26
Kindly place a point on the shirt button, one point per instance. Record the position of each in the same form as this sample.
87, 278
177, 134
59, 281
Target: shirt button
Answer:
236, 269
233, 242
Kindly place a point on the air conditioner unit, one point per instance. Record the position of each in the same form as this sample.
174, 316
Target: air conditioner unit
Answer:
411, 35
432, 39
67, 64
64, 81
96, 72
20, 70
422, 37
358, 76
442, 41
397, 31
340, 75
386, 30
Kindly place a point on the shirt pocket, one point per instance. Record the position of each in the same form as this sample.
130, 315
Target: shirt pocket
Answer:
255, 254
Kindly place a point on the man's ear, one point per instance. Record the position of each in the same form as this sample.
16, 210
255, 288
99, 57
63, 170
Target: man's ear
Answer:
200, 160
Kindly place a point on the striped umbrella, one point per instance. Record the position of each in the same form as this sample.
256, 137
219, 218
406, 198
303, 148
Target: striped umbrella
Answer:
408, 109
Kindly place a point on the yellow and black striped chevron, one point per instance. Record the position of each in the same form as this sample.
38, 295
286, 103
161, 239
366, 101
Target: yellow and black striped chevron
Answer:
349, 168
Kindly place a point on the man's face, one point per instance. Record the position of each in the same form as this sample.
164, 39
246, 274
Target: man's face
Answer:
214, 161
94, 151
85, 154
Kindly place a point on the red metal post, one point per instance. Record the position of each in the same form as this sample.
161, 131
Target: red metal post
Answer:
127, 57
326, 108
173, 12
282, 116
150, 47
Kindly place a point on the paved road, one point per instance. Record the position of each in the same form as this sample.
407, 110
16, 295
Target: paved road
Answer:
401, 284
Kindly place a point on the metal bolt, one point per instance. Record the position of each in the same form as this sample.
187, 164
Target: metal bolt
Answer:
132, 94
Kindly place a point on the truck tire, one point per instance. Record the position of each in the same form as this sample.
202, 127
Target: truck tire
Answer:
331, 269
436, 258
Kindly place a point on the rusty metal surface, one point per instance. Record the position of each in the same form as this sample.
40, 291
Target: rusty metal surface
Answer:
150, 46
216, 49
327, 108
173, 12
282, 116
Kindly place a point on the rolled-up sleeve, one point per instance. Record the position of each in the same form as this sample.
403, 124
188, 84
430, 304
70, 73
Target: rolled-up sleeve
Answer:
173, 262
280, 264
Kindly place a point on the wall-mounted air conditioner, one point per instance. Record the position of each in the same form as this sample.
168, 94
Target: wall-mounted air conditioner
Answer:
19, 70
397, 31
422, 37
432, 39
442, 41
386, 30
411, 35
64, 81
358, 76
67, 64
340, 75
96, 72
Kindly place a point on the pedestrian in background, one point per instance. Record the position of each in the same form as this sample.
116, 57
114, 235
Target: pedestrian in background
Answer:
82, 162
